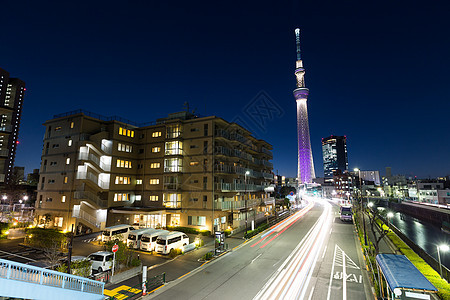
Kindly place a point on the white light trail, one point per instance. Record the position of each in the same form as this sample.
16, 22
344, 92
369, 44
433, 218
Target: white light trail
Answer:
291, 280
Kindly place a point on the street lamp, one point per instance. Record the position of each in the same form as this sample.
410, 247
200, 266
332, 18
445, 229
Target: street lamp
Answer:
361, 200
245, 193
443, 248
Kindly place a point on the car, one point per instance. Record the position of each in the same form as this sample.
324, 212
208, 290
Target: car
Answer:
346, 213
101, 260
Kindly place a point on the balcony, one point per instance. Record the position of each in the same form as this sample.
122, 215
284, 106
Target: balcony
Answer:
102, 183
266, 151
267, 175
81, 214
173, 169
104, 162
92, 197
238, 187
106, 146
267, 164
237, 205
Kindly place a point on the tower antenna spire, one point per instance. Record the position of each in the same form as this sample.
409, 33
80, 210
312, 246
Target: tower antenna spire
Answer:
297, 39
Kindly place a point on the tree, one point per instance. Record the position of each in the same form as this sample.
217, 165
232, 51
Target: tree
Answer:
374, 216
47, 219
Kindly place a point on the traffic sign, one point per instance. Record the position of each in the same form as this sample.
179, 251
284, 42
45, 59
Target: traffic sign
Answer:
115, 248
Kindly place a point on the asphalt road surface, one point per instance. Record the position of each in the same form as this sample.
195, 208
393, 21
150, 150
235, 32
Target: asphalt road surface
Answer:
311, 255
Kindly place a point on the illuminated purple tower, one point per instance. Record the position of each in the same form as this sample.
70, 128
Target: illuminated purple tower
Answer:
305, 171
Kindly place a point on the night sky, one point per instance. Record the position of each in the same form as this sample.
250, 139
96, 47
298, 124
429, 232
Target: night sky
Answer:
377, 73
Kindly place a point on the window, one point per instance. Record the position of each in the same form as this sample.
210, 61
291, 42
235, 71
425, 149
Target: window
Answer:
123, 180
63, 199
173, 131
205, 147
194, 129
172, 200
193, 163
48, 199
58, 128
58, 221
197, 220
121, 197
71, 124
155, 165
138, 181
174, 148
205, 183
154, 181
53, 163
156, 149
154, 198
138, 197
193, 146
173, 165
141, 151
205, 129
55, 146
124, 164
126, 132
51, 181
66, 179
67, 160
69, 143
124, 148
156, 134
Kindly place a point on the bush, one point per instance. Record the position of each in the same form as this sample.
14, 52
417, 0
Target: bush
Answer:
45, 238
200, 243
207, 256
3, 228
261, 228
81, 267
174, 253
189, 230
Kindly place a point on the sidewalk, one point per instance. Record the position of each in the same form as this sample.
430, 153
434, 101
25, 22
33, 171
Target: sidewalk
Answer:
385, 245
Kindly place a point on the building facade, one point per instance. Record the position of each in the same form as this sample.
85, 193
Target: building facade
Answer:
180, 171
12, 91
334, 152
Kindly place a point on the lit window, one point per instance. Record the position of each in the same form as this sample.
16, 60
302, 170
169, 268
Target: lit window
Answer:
126, 132
58, 221
153, 198
156, 134
66, 179
138, 197
124, 147
172, 200
123, 164
69, 143
63, 198
154, 181
67, 160
71, 124
156, 149
121, 197
122, 180
138, 181
155, 165
193, 163
58, 128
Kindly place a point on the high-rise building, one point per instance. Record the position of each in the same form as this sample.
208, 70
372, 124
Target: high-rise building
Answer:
334, 152
305, 168
12, 91
182, 170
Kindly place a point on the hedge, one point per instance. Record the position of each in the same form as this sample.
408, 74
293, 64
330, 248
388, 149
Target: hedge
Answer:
189, 230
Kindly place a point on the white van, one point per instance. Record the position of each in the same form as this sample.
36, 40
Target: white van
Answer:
148, 239
174, 240
134, 237
117, 232
101, 260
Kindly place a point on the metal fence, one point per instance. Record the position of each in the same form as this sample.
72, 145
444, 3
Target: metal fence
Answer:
21, 272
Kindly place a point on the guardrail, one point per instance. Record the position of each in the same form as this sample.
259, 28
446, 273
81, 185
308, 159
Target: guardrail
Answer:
21, 272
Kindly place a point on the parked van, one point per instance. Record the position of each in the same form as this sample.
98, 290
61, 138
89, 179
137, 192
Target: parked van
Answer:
134, 237
173, 240
346, 213
148, 239
101, 260
117, 232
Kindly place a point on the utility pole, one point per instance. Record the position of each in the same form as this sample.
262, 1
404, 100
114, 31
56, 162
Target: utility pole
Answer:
69, 257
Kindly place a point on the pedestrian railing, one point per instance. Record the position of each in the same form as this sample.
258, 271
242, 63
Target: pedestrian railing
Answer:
31, 274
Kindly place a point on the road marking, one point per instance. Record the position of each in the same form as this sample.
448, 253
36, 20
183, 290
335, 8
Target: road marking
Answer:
325, 250
116, 292
331, 229
344, 279
331, 275
12, 254
310, 294
256, 258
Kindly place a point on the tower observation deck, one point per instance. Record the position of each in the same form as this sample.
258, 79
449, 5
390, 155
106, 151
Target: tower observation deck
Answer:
305, 170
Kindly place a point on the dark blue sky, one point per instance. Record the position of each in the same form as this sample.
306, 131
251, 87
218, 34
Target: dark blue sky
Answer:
377, 73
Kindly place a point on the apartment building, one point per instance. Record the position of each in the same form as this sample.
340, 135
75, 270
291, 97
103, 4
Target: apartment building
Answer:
182, 170
12, 91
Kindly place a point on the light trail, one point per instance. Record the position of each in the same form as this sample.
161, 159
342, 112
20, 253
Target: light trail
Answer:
291, 280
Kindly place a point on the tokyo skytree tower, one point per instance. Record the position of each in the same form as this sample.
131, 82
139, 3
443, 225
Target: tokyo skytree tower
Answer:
305, 171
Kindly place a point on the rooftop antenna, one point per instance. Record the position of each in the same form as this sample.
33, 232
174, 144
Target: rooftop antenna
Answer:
297, 39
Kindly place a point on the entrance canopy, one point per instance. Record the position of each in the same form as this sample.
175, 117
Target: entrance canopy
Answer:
400, 273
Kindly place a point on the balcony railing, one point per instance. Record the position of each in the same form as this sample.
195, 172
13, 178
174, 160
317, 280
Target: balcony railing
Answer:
89, 156
266, 151
236, 205
105, 148
238, 187
173, 169
94, 178
90, 196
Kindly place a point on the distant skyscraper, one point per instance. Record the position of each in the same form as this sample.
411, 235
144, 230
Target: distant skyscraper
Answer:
334, 151
12, 91
305, 170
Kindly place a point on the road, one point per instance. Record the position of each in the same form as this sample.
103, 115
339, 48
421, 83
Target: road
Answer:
312, 255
